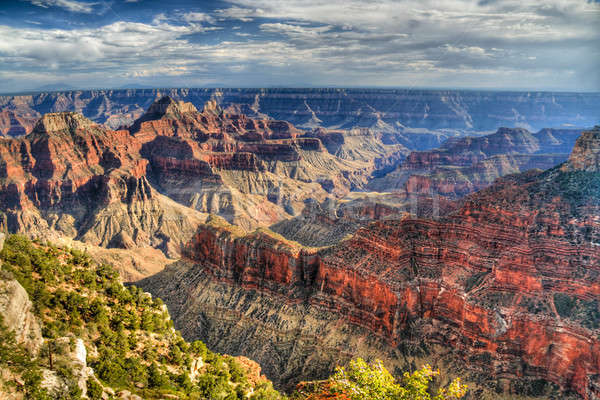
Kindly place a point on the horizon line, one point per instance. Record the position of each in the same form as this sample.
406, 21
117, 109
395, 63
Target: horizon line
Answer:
401, 88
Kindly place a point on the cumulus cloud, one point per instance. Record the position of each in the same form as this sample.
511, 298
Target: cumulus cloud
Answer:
453, 37
191, 17
243, 14
120, 43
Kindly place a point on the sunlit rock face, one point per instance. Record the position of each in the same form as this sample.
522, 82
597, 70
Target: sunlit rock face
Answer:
253, 172
507, 284
72, 178
150, 185
586, 154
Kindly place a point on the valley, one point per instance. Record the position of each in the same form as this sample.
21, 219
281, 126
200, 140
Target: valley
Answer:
305, 239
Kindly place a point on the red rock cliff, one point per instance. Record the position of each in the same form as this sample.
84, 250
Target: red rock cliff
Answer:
510, 280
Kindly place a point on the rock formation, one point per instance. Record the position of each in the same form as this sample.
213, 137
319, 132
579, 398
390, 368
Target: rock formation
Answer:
15, 123
228, 164
464, 165
70, 177
151, 185
327, 223
508, 284
17, 311
381, 109
586, 154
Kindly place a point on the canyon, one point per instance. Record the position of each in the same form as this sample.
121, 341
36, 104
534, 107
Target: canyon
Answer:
147, 188
464, 165
405, 111
507, 284
304, 239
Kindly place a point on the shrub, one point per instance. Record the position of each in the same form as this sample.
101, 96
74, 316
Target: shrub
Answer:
363, 381
94, 389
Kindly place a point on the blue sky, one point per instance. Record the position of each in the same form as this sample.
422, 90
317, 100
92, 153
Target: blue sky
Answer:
497, 44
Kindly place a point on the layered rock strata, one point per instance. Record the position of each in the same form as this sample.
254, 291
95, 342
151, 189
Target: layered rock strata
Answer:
464, 165
390, 110
508, 284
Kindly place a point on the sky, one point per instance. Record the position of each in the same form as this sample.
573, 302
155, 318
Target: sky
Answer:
549, 45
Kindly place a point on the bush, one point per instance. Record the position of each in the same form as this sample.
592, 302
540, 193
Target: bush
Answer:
362, 381
94, 389
265, 391
75, 297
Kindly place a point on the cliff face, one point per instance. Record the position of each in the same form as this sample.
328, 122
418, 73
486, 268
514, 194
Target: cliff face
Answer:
15, 123
219, 162
70, 177
327, 223
507, 284
387, 109
464, 165
151, 185
586, 154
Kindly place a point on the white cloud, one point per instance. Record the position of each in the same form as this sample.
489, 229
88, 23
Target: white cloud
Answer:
294, 30
470, 50
191, 17
240, 13
167, 70
341, 42
70, 5
118, 43
552, 19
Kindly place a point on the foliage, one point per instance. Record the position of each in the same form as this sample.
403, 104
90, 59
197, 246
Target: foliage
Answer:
136, 346
587, 312
363, 381
265, 391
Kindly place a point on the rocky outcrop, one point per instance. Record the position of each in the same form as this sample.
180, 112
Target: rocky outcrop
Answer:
329, 222
72, 178
17, 314
383, 109
464, 165
16, 123
507, 284
151, 185
17, 311
586, 154
227, 164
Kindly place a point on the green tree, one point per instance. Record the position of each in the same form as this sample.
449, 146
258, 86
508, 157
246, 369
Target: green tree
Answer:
94, 389
156, 379
148, 321
363, 381
265, 391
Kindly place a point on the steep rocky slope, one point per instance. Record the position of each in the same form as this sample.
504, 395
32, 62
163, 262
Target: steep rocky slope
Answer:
384, 109
508, 284
148, 187
327, 223
70, 177
465, 165
99, 339
219, 162
15, 123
